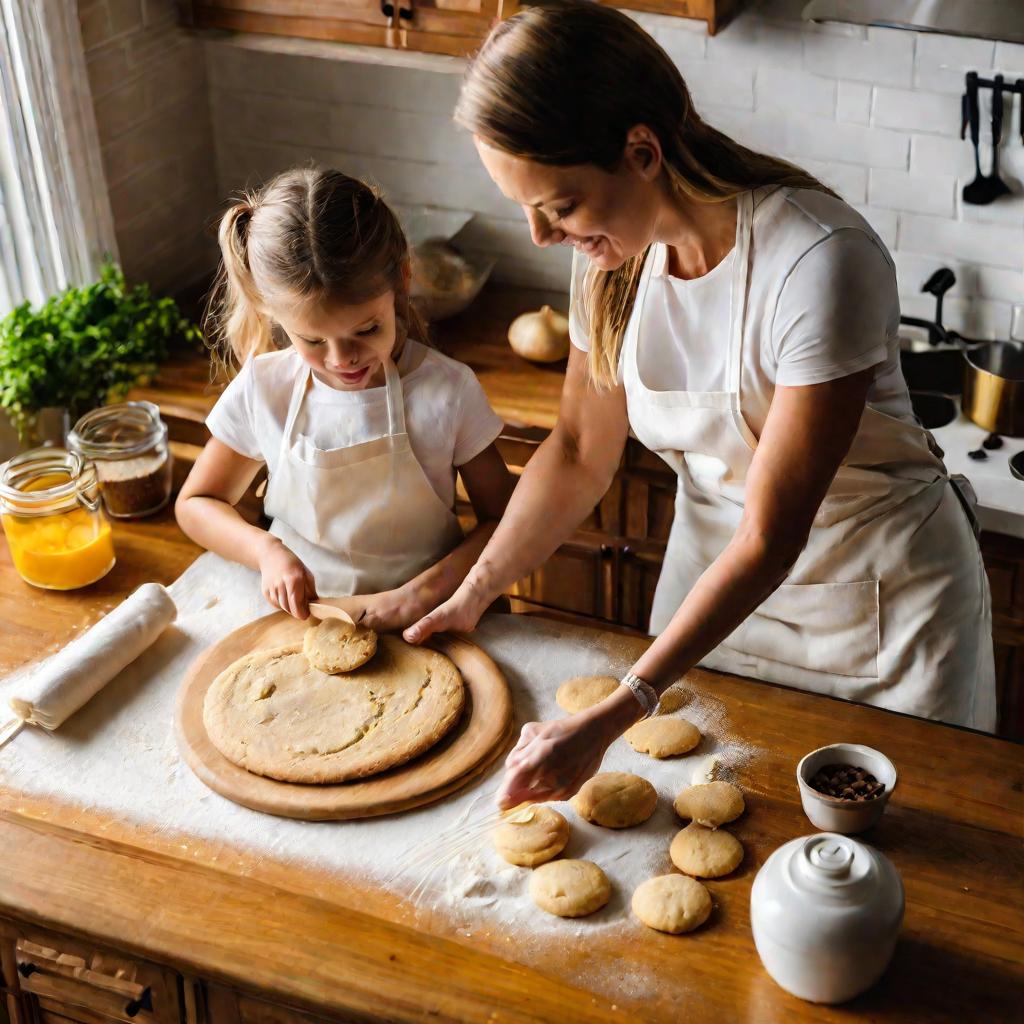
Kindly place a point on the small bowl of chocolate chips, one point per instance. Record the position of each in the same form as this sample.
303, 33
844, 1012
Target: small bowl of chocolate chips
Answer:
844, 787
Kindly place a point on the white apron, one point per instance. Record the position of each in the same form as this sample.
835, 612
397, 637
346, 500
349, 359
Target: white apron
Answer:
888, 603
364, 518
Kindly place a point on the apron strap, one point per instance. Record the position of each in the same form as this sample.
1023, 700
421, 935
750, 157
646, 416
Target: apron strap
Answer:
294, 404
396, 399
740, 278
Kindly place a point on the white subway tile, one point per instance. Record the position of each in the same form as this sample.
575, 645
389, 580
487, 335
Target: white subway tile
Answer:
1009, 58
1017, 324
884, 59
937, 113
997, 283
883, 221
1008, 210
794, 91
678, 42
984, 243
728, 85
751, 40
940, 62
849, 180
854, 102
933, 154
898, 190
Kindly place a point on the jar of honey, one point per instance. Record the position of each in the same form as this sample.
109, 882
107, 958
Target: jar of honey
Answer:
127, 443
51, 514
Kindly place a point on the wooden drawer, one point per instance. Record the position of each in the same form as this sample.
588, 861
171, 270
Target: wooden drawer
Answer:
225, 1006
579, 577
89, 983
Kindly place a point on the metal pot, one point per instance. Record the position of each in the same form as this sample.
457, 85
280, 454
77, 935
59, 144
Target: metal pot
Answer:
993, 395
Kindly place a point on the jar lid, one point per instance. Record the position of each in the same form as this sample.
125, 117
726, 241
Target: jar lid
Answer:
26, 490
118, 431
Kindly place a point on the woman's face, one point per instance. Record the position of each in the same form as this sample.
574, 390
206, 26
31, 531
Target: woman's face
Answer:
607, 216
345, 344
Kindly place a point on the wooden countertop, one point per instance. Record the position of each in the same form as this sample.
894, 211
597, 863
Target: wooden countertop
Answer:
953, 829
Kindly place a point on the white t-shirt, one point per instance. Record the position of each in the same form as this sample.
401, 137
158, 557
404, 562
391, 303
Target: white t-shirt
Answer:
822, 304
446, 412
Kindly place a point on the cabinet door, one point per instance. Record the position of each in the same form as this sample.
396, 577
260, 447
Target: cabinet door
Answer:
1004, 564
639, 569
715, 12
75, 979
579, 577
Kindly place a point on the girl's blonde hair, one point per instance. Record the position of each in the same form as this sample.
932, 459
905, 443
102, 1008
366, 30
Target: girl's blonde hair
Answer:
308, 235
562, 85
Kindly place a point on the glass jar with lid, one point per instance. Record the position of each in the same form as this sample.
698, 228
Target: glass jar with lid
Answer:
53, 519
128, 444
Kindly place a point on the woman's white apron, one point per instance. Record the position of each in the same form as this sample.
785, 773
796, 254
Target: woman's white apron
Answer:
888, 603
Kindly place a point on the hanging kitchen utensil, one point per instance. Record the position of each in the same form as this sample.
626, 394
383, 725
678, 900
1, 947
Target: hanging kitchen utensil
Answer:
976, 192
996, 186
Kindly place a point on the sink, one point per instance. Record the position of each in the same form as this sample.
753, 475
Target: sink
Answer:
933, 408
934, 370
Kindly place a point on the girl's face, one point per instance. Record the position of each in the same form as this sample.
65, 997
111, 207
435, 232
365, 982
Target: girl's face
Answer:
607, 216
346, 345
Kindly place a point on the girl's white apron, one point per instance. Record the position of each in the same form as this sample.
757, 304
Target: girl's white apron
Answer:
888, 603
364, 518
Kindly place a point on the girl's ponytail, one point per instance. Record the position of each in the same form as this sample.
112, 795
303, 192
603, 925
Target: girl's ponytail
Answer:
235, 326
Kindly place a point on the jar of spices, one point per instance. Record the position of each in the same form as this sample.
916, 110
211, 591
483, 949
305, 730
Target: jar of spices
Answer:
128, 443
53, 519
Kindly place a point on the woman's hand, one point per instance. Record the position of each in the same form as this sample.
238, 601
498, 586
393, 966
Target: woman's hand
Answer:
461, 612
287, 583
553, 759
390, 610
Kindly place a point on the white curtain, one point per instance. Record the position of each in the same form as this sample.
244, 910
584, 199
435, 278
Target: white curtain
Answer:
55, 219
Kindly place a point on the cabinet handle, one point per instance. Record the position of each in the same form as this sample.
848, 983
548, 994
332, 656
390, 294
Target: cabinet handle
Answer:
143, 1002
605, 551
627, 551
25, 969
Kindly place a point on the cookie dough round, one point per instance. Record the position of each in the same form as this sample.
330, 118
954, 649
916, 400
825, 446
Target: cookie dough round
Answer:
532, 838
663, 737
333, 645
673, 699
273, 714
710, 804
570, 888
705, 852
615, 800
584, 691
672, 903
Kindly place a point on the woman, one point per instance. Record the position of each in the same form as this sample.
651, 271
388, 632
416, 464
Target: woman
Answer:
742, 321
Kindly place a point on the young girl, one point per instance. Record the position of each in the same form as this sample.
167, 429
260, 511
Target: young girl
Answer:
361, 426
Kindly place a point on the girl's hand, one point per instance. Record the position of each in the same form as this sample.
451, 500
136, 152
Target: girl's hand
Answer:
461, 612
552, 760
391, 610
287, 583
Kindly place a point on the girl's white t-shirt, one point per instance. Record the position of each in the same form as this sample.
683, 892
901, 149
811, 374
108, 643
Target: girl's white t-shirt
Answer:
822, 301
447, 414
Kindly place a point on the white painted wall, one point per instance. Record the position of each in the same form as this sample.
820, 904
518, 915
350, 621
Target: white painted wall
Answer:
873, 112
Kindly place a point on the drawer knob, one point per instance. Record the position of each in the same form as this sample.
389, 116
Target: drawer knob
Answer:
144, 1002
25, 970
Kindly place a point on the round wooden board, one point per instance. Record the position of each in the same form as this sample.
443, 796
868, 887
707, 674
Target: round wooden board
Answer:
480, 736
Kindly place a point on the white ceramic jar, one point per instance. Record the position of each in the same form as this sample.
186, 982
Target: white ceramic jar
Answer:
825, 911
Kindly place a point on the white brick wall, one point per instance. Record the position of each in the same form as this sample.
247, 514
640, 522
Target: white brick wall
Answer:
149, 90
873, 112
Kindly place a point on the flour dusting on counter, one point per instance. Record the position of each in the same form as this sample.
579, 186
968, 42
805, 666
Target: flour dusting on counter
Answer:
118, 755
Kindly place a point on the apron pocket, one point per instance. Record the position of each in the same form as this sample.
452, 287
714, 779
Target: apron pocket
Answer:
823, 627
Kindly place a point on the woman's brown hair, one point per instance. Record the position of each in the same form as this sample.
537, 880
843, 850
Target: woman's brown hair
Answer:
562, 85
307, 235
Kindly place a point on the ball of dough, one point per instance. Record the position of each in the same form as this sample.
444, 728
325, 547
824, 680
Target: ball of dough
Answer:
710, 804
672, 903
615, 800
333, 645
673, 699
532, 838
663, 737
705, 852
585, 691
570, 888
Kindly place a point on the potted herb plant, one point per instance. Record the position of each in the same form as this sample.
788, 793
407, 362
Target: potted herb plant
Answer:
83, 348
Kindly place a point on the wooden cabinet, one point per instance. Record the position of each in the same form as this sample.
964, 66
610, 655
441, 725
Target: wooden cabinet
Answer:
53, 978
716, 13
454, 27
1004, 562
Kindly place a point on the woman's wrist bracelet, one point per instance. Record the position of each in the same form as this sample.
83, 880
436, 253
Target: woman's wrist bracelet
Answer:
646, 695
